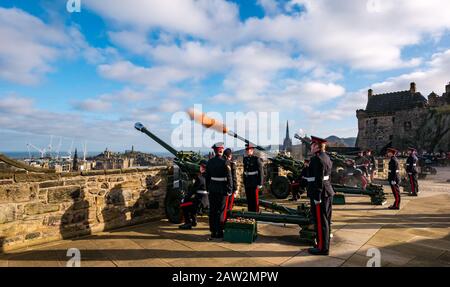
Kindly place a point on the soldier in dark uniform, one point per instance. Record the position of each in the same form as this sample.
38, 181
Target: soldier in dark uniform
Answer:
219, 183
193, 198
372, 164
321, 194
411, 170
302, 181
228, 156
253, 177
394, 177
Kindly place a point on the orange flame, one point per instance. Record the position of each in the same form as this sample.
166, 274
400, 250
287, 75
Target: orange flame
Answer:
206, 121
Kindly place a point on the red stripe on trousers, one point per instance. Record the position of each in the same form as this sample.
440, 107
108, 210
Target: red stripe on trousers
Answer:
231, 202
189, 203
413, 188
364, 182
257, 199
396, 194
319, 227
226, 210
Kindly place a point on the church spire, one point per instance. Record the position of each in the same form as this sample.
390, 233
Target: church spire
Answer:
287, 130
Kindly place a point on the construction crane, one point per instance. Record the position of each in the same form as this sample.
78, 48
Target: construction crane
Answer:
50, 147
41, 151
58, 148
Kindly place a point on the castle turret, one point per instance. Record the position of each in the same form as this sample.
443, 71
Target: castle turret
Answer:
412, 88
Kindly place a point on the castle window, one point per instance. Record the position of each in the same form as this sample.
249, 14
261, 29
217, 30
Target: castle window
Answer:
393, 119
375, 121
407, 126
391, 137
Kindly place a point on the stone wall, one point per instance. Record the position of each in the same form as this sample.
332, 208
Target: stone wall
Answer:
37, 208
423, 128
383, 166
375, 131
406, 127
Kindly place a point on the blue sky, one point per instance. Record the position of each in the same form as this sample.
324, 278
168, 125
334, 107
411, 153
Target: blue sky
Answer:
89, 76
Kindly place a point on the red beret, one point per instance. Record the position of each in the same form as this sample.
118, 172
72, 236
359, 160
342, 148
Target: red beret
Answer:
393, 150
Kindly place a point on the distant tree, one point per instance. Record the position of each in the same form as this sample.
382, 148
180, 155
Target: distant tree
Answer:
75, 161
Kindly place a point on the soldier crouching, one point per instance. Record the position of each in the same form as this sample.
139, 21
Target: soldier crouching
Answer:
194, 198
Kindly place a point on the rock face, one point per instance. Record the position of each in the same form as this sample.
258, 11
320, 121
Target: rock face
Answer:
37, 208
434, 134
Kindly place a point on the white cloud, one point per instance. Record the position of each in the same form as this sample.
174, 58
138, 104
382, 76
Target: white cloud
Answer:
93, 105
271, 7
30, 47
207, 19
348, 32
154, 77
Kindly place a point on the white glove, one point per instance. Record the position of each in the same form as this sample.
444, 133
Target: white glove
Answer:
410, 173
317, 202
393, 182
259, 187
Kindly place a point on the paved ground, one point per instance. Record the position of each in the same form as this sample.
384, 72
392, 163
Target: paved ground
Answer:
417, 235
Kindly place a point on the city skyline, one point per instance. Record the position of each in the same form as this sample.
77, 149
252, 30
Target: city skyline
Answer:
89, 76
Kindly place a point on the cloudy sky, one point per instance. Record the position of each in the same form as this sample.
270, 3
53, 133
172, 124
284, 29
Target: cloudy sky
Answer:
89, 76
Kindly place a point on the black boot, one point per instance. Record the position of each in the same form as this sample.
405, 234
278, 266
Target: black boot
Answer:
317, 251
185, 226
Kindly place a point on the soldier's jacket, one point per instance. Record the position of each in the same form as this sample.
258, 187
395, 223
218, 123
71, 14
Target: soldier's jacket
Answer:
218, 176
233, 173
394, 170
319, 177
411, 164
303, 175
253, 171
199, 185
372, 164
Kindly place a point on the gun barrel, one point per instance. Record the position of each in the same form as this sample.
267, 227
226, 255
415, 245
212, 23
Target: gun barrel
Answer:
140, 127
270, 217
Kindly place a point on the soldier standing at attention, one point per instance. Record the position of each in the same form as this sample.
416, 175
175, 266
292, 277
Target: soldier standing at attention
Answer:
411, 169
228, 156
253, 177
321, 193
219, 183
372, 165
193, 198
393, 177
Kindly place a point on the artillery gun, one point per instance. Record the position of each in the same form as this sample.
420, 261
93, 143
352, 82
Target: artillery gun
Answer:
300, 216
186, 167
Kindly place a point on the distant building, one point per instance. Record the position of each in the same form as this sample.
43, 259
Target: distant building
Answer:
287, 143
398, 119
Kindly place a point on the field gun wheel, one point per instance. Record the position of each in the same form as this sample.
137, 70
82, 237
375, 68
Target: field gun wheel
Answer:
280, 187
172, 206
172, 200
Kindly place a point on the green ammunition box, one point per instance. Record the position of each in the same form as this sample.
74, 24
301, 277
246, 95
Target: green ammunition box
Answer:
240, 232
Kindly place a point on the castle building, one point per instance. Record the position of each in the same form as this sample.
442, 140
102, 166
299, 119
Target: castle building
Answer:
397, 119
287, 143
